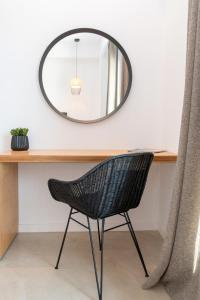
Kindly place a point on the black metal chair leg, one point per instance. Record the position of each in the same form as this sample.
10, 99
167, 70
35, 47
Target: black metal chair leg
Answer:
93, 257
102, 249
99, 235
99, 285
63, 241
136, 242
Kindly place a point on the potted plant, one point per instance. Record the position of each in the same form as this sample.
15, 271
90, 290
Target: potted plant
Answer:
19, 141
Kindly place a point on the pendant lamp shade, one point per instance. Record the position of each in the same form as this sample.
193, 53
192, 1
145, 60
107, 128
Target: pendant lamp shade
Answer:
75, 86
76, 82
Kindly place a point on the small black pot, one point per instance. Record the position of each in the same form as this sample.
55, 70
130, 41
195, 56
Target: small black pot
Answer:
19, 143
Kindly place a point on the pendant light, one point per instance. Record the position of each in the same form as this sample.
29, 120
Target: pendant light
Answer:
76, 82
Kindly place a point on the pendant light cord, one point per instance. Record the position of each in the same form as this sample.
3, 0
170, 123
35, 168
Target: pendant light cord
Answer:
76, 58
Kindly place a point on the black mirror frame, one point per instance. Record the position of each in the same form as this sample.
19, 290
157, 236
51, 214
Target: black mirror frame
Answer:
89, 30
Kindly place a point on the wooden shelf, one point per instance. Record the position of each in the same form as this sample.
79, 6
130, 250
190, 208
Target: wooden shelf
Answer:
77, 156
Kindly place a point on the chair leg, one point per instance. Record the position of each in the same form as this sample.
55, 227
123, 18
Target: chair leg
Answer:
102, 249
136, 242
63, 241
99, 234
99, 285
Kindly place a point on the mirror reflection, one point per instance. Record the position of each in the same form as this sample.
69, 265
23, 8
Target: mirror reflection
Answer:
85, 77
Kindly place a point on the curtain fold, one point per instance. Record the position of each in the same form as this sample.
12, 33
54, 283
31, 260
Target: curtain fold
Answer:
179, 267
117, 78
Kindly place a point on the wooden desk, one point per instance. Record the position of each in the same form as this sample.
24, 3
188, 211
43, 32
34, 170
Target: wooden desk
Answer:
76, 156
9, 179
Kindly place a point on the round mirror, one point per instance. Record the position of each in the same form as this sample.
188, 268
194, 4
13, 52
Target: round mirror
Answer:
85, 75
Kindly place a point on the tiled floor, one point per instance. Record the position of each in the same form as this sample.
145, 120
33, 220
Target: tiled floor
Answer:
27, 270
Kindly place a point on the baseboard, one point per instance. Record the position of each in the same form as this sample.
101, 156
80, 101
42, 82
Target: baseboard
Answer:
59, 227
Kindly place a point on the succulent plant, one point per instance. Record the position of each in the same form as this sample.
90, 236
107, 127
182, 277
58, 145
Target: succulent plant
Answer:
19, 132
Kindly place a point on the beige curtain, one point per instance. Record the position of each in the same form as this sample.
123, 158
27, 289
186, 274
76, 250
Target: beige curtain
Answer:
179, 268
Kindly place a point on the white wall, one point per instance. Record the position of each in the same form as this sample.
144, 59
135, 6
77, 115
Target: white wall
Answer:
153, 32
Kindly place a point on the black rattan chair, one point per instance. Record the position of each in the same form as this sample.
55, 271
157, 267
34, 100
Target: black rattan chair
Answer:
112, 187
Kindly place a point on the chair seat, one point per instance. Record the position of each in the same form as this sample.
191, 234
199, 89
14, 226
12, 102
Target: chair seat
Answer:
112, 187
84, 203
